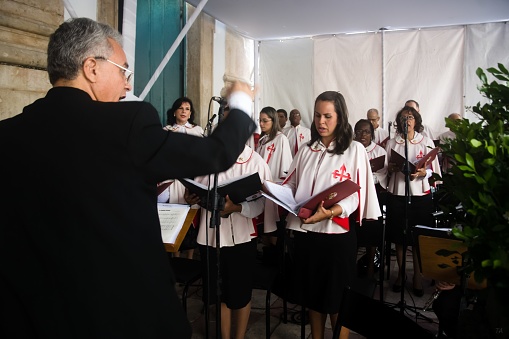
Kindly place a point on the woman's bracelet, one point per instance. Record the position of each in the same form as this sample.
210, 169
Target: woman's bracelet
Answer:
331, 214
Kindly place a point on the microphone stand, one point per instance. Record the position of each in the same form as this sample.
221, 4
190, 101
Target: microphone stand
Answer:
406, 171
215, 221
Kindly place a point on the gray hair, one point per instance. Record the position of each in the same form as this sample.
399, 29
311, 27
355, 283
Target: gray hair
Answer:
74, 41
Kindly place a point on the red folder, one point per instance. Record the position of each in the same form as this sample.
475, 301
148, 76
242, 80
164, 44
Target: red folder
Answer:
430, 156
377, 163
330, 196
283, 196
399, 160
383, 142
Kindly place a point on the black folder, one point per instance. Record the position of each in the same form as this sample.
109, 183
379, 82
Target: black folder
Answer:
239, 189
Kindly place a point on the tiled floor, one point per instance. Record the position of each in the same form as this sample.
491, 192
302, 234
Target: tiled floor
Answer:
292, 328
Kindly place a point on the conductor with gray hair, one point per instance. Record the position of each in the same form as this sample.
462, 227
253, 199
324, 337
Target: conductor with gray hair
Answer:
81, 253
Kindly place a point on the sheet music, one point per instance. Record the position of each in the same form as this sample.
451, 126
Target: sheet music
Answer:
171, 218
283, 193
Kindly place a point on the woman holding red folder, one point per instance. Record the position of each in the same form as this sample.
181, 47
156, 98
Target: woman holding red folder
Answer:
419, 212
325, 247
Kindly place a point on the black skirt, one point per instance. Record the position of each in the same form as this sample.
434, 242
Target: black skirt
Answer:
325, 264
419, 212
237, 266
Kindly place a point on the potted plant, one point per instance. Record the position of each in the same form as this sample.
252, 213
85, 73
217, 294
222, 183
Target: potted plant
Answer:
478, 182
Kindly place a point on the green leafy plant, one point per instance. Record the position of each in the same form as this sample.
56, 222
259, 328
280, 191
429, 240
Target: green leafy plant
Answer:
479, 181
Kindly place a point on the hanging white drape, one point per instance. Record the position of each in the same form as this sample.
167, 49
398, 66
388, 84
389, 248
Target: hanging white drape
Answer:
434, 66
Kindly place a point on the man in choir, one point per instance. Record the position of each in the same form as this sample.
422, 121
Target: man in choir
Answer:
81, 253
381, 135
427, 132
282, 115
297, 134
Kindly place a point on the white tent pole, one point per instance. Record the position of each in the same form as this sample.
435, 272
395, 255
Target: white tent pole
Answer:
384, 113
70, 9
172, 49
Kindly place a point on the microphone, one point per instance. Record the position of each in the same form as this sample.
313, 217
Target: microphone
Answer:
212, 119
390, 124
404, 124
220, 100
209, 125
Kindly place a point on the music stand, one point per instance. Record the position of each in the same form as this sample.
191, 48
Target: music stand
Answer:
440, 256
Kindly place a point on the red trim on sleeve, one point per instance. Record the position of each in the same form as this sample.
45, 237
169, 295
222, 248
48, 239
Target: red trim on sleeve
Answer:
343, 222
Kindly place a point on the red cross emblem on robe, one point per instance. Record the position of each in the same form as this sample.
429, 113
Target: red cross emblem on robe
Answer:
341, 174
271, 150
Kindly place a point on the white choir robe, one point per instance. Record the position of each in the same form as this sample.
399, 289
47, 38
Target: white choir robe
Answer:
313, 165
277, 155
427, 132
237, 228
446, 135
418, 147
187, 129
298, 135
380, 135
375, 151
174, 194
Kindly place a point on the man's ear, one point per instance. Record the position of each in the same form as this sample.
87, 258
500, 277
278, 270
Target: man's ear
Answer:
89, 69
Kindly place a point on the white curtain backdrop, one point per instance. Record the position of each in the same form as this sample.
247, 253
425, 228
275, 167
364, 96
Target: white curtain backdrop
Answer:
434, 66
426, 66
486, 46
286, 76
352, 65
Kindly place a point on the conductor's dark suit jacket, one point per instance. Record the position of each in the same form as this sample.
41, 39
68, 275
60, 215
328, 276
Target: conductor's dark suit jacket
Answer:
81, 254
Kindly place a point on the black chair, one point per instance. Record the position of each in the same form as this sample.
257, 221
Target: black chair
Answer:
372, 318
187, 272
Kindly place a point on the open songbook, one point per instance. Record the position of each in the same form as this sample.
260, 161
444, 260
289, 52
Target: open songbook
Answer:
242, 188
400, 160
283, 196
175, 220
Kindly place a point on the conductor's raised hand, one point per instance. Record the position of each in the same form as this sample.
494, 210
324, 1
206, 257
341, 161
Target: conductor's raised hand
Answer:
239, 86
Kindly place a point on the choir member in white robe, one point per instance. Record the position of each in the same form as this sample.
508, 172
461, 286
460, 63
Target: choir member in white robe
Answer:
425, 130
237, 241
372, 232
381, 134
419, 211
325, 247
180, 118
297, 134
273, 146
444, 138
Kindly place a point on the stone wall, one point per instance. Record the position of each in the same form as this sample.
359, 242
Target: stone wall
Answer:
25, 27
239, 61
